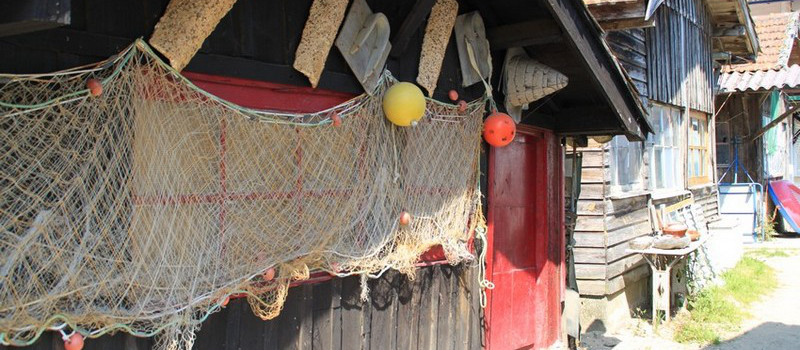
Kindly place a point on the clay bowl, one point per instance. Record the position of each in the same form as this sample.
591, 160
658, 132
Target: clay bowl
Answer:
677, 230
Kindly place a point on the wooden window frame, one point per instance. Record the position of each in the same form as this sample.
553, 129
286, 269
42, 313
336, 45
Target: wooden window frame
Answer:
704, 148
638, 183
678, 148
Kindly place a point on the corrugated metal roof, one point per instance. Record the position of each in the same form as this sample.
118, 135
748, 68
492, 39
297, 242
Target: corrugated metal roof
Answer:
761, 80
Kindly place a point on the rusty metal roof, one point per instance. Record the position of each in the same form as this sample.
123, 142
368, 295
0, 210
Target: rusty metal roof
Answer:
760, 80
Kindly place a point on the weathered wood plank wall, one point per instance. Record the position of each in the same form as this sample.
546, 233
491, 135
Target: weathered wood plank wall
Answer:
256, 40
679, 49
438, 309
630, 48
590, 239
658, 60
602, 229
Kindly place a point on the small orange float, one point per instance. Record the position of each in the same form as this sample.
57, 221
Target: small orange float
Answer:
73, 342
337, 120
499, 129
453, 95
95, 87
269, 274
405, 219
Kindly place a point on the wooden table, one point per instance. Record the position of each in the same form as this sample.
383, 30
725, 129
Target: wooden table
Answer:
661, 262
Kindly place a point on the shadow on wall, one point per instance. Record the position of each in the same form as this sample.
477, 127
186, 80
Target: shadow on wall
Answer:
769, 335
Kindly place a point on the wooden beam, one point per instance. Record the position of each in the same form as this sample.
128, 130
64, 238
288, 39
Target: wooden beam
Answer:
71, 41
486, 11
102, 46
418, 14
536, 32
627, 24
539, 119
774, 122
618, 10
621, 15
19, 17
597, 60
587, 120
721, 56
734, 31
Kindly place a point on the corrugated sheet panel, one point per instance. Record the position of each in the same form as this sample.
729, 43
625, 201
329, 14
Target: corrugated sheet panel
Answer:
761, 80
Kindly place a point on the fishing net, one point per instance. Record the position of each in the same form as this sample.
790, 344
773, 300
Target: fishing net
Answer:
144, 208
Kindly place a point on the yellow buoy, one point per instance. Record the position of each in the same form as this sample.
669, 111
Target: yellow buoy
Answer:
404, 104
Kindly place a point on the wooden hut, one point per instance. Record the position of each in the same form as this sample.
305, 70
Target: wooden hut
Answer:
247, 59
751, 96
756, 125
668, 49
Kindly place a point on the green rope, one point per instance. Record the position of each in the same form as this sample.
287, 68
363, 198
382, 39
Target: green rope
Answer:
261, 115
128, 53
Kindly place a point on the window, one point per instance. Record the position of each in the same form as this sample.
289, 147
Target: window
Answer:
699, 153
664, 148
626, 165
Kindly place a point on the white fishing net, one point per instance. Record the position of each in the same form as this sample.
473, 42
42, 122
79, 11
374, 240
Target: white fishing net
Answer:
142, 209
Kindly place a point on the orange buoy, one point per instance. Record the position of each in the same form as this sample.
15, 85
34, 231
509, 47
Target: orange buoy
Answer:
269, 274
226, 301
405, 219
74, 342
499, 129
337, 120
95, 87
453, 94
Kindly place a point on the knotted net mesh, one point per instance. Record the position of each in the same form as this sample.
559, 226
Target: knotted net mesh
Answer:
145, 207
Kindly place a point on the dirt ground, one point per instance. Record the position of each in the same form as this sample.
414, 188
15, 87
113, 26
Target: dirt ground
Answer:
774, 322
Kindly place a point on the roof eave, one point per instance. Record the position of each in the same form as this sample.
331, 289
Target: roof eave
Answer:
586, 36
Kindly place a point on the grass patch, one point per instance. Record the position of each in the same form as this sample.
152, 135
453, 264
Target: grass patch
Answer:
720, 309
769, 253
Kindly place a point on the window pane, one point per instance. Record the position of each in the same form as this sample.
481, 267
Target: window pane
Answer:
665, 148
627, 162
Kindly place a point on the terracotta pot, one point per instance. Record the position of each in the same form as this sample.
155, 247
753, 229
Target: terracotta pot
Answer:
693, 234
677, 230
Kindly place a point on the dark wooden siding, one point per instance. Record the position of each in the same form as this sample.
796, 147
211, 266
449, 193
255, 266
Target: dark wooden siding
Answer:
679, 49
439, 309
256, 40
590, 235
630, 48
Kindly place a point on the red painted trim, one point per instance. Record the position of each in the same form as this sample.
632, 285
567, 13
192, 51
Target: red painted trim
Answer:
268, 96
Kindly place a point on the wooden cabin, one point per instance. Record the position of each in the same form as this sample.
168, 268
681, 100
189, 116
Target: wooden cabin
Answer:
669, 54
751, 96
757, 123
248, 58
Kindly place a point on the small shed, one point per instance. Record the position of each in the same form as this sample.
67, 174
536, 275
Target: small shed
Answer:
670, 55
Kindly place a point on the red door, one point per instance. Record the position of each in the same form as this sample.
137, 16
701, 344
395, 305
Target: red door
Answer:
525, 242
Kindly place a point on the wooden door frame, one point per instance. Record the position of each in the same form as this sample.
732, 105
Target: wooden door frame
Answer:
559, 174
